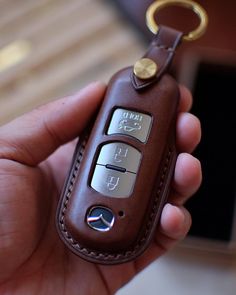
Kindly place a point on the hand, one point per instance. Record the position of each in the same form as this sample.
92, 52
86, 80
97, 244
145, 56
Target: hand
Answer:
34, 159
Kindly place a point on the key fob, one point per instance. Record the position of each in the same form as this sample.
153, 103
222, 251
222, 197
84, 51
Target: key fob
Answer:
121, 175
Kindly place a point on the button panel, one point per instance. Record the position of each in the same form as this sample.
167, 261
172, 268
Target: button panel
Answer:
118, 163
113, 183
121, 155
130, 123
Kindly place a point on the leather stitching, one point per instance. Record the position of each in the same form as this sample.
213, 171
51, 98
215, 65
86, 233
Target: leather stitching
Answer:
158, 44
172, 49
107, 256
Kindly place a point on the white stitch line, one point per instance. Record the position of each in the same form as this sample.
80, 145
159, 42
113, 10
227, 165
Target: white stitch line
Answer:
105, 255
171, 49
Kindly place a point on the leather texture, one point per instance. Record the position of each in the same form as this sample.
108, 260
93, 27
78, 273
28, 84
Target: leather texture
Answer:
131, 233
161, 50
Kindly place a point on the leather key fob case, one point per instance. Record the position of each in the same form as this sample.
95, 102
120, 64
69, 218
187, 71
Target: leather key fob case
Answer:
121, 174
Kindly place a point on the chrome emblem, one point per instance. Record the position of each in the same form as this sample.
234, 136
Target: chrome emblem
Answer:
100, 219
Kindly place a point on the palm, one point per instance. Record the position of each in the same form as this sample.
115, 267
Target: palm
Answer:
35, 251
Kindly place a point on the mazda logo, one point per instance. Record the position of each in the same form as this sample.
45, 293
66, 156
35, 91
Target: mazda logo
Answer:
100, 219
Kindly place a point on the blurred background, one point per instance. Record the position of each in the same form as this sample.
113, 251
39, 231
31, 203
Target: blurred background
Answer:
52, 48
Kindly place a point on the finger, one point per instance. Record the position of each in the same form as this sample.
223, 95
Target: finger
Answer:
188, 132
34, 136
186, 99
175, 223
61, 158
187, 178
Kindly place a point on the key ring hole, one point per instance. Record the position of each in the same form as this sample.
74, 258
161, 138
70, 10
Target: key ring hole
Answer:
157, 6
177, 17
121, 214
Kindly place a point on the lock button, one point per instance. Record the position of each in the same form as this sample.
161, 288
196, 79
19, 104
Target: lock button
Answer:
130, 123
112, 183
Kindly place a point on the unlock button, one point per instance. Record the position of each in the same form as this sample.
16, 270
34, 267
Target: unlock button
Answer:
121, 155
113, 183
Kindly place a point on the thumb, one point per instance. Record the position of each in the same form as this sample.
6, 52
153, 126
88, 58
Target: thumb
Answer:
32, 137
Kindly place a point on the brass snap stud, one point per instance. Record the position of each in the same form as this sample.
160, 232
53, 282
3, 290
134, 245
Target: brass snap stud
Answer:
145, 69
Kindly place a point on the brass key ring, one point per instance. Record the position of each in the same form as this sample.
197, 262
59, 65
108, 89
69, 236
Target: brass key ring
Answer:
158, 5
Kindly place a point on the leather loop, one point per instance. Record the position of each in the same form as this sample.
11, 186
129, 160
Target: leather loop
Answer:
161, 50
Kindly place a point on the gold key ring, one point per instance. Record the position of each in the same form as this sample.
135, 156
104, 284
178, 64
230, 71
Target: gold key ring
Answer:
158, 5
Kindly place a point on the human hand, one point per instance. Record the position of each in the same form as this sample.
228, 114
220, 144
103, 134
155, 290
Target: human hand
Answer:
34, 158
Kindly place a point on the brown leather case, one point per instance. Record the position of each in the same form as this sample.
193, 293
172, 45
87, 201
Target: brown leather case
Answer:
134, 228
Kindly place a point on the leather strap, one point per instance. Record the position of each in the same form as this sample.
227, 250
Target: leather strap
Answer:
161, 50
